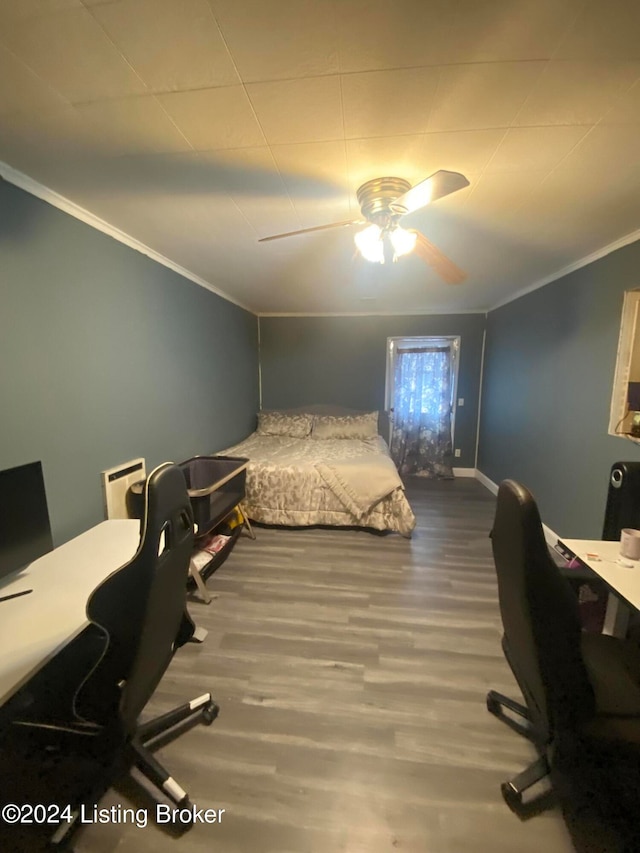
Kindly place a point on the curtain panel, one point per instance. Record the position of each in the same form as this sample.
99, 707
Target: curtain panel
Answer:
421, 435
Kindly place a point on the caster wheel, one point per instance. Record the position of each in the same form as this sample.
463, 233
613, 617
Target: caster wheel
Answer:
511, 797
184, 818
493, 706
210, 713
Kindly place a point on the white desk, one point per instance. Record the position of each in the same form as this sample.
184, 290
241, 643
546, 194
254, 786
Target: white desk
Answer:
34, 627
623, 580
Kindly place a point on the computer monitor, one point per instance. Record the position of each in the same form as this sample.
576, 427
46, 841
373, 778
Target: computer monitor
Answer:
25, 533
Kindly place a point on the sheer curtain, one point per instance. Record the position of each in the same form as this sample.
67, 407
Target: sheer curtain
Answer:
421, 436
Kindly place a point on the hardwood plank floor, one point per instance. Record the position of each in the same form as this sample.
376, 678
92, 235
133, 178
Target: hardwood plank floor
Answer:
351, 670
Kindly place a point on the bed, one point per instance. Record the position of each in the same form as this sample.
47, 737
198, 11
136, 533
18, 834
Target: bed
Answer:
322, 467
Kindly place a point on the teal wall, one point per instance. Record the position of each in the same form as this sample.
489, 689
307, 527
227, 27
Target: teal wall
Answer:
548, 376
342, 361
106, 355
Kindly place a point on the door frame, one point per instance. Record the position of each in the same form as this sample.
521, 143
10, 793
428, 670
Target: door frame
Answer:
454, 341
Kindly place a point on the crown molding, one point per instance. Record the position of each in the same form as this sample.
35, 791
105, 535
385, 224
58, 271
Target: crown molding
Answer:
24, 182
633, 237
405, 313
30, 185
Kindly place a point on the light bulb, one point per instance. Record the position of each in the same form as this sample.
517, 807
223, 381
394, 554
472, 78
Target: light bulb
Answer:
403, 241
369, 244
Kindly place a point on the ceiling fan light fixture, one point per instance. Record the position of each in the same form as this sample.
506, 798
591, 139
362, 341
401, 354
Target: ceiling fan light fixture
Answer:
419, 196
369, 244
383, 202
403, 241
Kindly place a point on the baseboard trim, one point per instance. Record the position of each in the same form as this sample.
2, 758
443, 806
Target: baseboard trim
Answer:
464, 472
486, 482
550, 535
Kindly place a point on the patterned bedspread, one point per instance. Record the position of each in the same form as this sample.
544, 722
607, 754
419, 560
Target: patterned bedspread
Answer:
285, 483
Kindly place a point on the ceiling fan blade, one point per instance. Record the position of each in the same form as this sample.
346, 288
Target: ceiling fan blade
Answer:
437, 260
315, 228
431, 189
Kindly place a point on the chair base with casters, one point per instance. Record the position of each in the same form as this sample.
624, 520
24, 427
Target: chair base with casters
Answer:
514, 789
145, 761
115, 758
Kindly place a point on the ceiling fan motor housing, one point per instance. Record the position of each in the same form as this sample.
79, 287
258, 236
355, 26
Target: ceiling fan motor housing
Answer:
375, 198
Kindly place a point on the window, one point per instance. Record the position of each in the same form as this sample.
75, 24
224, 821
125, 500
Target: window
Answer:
448, 346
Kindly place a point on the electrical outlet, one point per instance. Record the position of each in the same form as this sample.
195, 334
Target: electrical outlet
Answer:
461, 401
457, 451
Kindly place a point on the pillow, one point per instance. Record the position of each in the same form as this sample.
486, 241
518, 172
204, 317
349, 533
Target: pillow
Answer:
279, 423
346, 426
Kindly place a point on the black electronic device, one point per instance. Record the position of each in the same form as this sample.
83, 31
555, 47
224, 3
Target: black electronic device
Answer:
25, 533
623, 500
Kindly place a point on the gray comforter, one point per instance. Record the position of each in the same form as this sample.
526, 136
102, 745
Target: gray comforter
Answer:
294, 481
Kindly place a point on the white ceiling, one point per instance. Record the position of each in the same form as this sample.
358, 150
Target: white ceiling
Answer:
198, 126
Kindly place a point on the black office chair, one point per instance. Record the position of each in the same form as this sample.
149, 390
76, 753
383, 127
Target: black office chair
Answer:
138, 618
578, 687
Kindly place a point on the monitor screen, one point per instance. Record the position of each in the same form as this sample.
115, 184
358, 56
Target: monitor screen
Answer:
25, 533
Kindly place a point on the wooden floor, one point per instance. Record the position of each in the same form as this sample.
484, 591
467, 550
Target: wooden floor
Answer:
351, 670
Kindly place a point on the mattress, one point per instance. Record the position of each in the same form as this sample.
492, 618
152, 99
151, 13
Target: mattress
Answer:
305, 481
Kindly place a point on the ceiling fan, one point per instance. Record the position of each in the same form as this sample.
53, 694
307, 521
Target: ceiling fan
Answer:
383, 202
